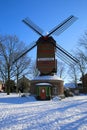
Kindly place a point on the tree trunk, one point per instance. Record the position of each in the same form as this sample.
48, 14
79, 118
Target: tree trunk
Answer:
17, 84
8, 84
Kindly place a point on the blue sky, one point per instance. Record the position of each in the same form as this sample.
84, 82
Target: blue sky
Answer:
47, 14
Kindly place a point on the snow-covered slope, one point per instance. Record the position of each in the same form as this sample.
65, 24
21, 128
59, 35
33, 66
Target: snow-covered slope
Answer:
25, 113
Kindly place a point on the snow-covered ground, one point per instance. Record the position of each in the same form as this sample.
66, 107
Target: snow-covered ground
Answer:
25, 113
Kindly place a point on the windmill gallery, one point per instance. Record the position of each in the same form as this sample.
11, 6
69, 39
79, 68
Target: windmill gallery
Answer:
47, 84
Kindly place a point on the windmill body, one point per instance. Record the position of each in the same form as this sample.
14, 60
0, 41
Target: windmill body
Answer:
46, 62
47, 84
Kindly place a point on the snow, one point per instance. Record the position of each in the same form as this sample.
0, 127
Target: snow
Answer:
54, 77
41, 84
26, 113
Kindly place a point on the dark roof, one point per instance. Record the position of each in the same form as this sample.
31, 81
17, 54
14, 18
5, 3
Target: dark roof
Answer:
23, 78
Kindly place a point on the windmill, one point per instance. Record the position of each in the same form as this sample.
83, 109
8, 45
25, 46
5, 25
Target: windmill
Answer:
48, 49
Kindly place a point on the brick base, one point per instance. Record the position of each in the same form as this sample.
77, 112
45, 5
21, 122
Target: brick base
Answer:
56, 83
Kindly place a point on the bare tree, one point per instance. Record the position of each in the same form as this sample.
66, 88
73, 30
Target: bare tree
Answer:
80, 69
10, 46
34, 71
83, 56
61, 69
82, 65
83, 41
73, 74
6, 55
21, 67
3, 71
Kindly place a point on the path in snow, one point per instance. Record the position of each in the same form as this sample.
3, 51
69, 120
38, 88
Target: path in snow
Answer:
25, 113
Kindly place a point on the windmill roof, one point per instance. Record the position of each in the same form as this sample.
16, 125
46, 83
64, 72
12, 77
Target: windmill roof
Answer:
54, 77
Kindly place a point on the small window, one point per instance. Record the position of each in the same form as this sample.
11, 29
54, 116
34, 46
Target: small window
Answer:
55, 91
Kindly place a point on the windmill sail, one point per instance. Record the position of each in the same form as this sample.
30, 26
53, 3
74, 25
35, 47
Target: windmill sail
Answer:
33, 26
65, 55
63, 26
25, 51
64, 58
60, 56
62, 53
